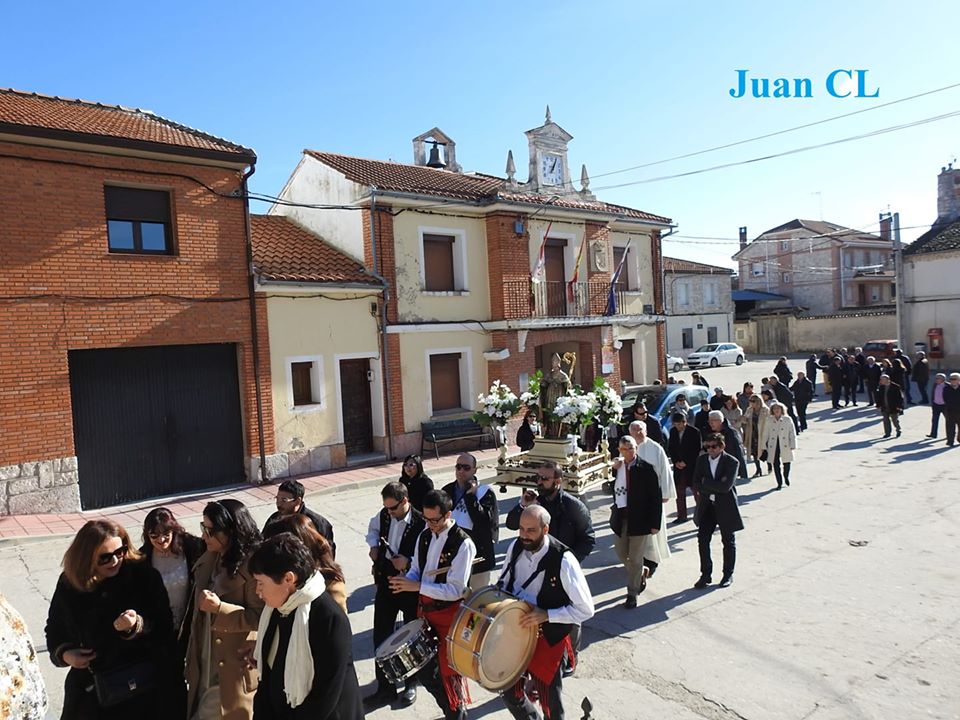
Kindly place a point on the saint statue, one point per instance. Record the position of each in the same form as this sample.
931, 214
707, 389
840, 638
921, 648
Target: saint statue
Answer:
554, 385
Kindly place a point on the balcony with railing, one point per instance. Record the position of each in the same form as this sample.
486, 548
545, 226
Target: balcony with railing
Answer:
528, 299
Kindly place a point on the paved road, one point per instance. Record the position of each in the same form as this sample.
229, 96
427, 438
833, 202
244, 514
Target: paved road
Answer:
844, 603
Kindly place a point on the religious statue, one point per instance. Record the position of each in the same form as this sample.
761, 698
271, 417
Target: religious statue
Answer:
555, 384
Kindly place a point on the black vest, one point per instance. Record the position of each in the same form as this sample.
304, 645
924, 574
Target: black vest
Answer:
552, 594
383, 568
451, 547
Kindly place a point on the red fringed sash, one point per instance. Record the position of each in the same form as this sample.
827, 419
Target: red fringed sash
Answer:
458, 692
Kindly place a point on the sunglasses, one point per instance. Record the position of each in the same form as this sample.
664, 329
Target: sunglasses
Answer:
434, 521
286, 499
158, 536
461, 466
106, 558
391, 508
207, 531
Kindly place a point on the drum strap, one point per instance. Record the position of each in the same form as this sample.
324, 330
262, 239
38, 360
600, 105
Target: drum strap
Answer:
511, 568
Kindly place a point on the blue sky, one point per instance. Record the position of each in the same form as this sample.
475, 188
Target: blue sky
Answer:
633, 82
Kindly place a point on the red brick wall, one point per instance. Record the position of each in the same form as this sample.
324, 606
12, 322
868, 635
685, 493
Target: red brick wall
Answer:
508, 267
54, 250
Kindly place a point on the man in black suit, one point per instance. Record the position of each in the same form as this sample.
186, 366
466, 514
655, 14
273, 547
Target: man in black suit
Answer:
871, 378
475, 510
715, 477
951, 406
836, 375
718, 424
290, 501
684, 449
802, 390
908, 372
890, 404
392, 537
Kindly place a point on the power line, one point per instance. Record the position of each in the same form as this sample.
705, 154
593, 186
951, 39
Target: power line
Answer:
774, 134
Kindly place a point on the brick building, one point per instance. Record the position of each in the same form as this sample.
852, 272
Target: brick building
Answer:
126, 335
468, 299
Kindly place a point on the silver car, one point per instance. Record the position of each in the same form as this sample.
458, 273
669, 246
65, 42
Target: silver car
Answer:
716, 354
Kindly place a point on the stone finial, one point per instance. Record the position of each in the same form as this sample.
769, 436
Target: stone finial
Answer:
511, 169
585, 184
549, 119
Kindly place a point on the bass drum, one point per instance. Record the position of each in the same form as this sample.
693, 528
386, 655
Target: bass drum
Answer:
486, 642
406, 651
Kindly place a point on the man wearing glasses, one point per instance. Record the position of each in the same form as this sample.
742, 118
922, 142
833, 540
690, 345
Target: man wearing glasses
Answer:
446, 547
475, 510
715, 479
392, 537
290, 500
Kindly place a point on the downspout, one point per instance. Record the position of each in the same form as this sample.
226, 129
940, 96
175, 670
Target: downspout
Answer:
385, 366
663, 304
254, 337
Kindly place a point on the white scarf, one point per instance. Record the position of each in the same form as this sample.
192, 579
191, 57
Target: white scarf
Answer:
298, 667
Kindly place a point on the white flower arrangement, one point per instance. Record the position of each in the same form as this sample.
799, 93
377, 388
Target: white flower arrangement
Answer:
497, 406
575, 409
609, 404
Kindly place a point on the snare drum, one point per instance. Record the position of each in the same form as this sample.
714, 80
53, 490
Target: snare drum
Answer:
406, 651
486, 642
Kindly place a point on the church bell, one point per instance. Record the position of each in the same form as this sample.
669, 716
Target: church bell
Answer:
435, 161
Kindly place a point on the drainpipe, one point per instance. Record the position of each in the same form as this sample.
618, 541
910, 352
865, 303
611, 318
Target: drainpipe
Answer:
254, 337
385, 366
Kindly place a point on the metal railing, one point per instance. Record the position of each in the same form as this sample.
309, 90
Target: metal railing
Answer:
525, 298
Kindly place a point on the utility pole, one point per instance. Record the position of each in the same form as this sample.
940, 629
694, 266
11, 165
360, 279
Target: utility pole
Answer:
898, 282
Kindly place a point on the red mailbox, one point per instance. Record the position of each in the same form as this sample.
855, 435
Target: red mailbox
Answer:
935, 342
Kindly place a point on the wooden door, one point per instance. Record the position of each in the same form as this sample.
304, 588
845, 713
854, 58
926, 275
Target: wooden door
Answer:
355, 405
556, 276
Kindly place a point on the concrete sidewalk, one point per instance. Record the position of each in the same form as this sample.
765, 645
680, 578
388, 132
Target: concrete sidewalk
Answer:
18, 527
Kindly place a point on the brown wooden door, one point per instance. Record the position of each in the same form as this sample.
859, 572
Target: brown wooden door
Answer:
626, 361
556, 281
355, 403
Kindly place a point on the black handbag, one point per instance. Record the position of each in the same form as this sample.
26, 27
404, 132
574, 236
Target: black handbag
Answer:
117, 685
763, 456
616, 519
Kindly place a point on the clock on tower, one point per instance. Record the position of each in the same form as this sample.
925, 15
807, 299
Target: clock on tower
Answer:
548, 159
551, 169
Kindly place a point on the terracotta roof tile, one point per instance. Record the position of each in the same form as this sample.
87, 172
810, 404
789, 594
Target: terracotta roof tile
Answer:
21, 111
943, 236
283, 250
676, 265
475, 187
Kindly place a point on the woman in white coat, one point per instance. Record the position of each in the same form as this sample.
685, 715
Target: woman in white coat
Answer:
779, 440
754, 422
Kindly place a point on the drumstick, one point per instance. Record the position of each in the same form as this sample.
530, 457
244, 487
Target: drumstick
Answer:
439, 570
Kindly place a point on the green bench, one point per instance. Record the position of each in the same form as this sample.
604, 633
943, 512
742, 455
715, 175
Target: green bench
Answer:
441, 432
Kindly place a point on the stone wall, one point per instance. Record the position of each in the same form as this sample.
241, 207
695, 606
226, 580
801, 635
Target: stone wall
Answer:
47, 486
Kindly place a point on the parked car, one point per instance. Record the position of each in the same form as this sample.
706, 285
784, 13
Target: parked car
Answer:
716, 354
659, 399
880, 349
674, 363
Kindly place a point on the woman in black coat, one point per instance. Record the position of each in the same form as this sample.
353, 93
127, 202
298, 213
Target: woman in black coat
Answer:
528, 431
110, 611
310, 675
782, 371
417, 482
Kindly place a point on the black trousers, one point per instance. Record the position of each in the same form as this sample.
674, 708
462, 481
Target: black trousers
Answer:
835, 392
386, 607
922, 387
522, 709
938, 410
951, 427
708, 523
776, 467
850, 392
802, 415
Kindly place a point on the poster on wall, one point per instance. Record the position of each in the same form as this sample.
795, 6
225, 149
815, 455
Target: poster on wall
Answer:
606, 359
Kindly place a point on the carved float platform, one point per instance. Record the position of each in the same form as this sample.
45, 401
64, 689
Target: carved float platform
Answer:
582, 470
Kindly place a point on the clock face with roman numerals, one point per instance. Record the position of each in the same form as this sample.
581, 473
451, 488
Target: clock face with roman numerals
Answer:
551, 169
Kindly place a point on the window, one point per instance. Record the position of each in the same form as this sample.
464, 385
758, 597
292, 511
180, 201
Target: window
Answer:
304, 382
785, 244
627, 280
438, 272
445, 382
756, 269
786, 277
687, 336
712, 336
138, 221
683, 294
710, 292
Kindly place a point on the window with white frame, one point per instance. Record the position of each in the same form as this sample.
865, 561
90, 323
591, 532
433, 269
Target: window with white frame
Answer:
711, 293
305, 382
683, 294
443, 267
757, 269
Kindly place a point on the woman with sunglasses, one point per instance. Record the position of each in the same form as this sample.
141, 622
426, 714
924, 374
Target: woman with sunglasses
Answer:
417, 482
225, 616
110, 611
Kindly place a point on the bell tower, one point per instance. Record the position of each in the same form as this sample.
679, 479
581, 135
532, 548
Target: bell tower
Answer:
549, 171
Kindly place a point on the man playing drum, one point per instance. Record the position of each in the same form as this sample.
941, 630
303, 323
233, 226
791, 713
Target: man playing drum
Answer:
544, 572
392, 537
446, 547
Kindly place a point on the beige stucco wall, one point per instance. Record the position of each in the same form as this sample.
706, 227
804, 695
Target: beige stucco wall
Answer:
415, 349
816, 334
640, 267
745, 335
329, 330
470, 261
931, 300
644, 350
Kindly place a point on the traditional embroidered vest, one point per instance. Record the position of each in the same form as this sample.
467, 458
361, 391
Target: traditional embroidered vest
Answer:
451, 547
408, 542
552, 594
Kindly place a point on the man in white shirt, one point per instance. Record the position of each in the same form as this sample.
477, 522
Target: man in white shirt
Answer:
544, 572
392, 538
446, 547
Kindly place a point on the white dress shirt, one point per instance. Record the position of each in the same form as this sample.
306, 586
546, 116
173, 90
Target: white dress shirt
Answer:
395, 535
714, 464
574, 583
620, 487
460, 514
653, 453
458, 576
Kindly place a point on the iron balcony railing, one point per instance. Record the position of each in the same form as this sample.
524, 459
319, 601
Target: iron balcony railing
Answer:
525, 298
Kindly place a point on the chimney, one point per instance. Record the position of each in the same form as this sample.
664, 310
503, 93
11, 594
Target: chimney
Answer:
886, 225
743, 237
948, 193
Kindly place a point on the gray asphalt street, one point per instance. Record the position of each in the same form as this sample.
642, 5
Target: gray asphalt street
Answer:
844, 603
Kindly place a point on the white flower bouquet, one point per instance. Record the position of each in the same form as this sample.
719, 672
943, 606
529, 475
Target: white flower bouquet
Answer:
576, 409
609, 405
497, 406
